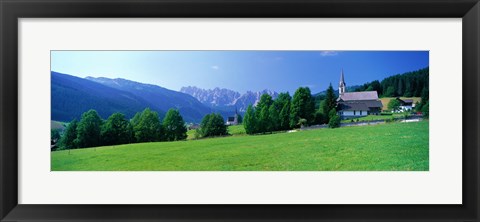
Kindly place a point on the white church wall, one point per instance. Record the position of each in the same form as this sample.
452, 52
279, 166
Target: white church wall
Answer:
356, 113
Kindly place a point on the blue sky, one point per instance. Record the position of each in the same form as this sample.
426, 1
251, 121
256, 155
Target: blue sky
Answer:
240, 70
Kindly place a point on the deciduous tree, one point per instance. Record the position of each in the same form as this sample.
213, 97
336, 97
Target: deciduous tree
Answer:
117, 130
213, 125
67, 141
302, 107
394, 105
174, 126
148, 127
88, 129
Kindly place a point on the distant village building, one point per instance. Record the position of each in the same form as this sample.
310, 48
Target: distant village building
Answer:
356, 104
193, 126
232, 120
406, 104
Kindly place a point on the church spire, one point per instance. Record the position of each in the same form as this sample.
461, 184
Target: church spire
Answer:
342, 80
341, 84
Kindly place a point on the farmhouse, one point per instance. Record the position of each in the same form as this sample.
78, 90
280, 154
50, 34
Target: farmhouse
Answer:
356, 104
406, 104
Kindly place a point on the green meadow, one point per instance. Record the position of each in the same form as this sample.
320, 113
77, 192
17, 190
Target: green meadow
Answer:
384, 147
374, 117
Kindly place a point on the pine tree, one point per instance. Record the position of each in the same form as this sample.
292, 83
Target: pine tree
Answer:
274, 118
262, 113
250, 121
264, 122
283, 103
330, 101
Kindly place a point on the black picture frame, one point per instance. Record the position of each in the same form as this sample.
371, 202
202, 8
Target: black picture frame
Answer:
12, 10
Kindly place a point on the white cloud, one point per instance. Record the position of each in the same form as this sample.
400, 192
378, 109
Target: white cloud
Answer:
215, 67
329, 53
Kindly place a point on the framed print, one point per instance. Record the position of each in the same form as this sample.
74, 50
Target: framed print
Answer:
227, 110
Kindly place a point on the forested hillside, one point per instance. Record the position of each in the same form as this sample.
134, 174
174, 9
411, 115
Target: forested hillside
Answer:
409, 84
159, 98
72, 96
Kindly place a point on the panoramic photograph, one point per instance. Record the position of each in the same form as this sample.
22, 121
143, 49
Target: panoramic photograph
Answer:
233, 110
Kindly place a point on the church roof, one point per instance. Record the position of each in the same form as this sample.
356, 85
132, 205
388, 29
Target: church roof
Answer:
360, 105
352, 96
372, 103
352, 106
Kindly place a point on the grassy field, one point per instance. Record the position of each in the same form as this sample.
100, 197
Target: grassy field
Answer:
384, 147
386, 100
238, 130
232, 130
374, 117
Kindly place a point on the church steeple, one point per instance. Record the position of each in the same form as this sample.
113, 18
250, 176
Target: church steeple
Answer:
341, 85
235, 118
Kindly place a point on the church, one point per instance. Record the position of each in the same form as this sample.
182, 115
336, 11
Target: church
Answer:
356, 104
232, 120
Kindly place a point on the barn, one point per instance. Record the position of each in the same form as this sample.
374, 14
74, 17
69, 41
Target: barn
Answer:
406, 104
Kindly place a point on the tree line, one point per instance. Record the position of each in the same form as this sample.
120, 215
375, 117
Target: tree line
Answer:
145, 126
422, 106
409, 84
286, 112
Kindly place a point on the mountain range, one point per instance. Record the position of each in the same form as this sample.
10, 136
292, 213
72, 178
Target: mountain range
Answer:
71, 96
226, 99
159, 98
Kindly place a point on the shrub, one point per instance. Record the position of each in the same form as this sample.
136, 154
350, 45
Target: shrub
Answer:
394, 105
334, 121
320, 118
302, 122
425, 110
197, 134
